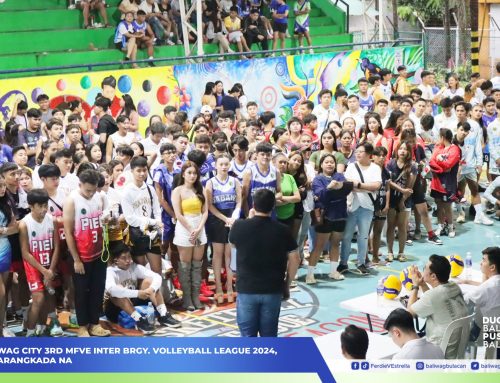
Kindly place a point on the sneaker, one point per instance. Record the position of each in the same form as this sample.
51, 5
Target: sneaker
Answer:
461, 218
481, 219
409, 242
7, 333
151, 63
451, 232
443, 230
55, 328
97, 330
144, 326
390, 257
336, 275
293, 284
170, 42
72, 6
169, 321
435, 240
342, 268
310, 280
83, 332
402, 258
73, 321
363, 270
311, 51
179, 42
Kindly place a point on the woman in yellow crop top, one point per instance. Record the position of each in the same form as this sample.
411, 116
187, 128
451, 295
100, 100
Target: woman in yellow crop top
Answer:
191, 211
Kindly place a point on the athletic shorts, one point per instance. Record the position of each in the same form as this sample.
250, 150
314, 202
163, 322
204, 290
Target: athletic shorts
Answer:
301, 29
468, 176
168, 227
34, 278
448, 197
16, 266
280, 27
419, 190
287, 221
331, 226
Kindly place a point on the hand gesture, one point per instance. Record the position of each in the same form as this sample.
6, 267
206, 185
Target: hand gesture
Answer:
79, 269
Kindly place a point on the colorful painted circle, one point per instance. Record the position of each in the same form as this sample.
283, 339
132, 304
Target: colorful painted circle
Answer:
281, 68
92, 94
269, 98
35, 93
85, 82
143, 108
61, 85
124, 84
163, 95
146, 86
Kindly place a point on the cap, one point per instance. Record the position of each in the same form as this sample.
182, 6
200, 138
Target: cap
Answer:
206, 109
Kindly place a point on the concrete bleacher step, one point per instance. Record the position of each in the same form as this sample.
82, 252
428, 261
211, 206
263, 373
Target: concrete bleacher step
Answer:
46, 20
20, 5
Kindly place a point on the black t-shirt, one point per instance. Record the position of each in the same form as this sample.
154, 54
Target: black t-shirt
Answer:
106, 125
263, 246
230, 103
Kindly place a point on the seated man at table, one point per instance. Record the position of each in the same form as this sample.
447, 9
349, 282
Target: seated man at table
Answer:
486, 297
399, 325
354, 342
440, 305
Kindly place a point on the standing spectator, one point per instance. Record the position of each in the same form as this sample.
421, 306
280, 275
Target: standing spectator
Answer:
301, 11
323, 111
230, 102
402, 85
399, 325
92, 5
265, 267
18, 113
441, 301
366, 100
83, 229
106, 125
129, 6
385, 83
367, 180
235, 34
255, 30
43, 103
280, 24
29, 137
330, 194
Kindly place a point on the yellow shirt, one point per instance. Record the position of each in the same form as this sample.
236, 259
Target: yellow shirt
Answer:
232, 25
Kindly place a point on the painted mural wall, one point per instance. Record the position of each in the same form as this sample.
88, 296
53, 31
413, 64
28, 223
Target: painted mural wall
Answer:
278, 84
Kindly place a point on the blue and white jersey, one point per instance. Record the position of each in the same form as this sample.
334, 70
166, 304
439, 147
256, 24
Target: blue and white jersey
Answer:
262, 181
122, 28
224, 193
239, 170
472, 150
139, 27
367, 103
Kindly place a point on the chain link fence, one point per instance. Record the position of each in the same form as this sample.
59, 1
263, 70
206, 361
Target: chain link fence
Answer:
434, 40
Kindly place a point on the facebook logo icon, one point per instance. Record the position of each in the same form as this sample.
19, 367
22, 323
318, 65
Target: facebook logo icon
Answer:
365, 366
355, 365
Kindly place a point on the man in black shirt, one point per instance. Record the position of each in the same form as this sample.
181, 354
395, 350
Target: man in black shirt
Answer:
254, 30
267, 262
107, 124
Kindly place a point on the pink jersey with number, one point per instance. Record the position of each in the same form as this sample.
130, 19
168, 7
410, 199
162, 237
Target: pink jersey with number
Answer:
88, 227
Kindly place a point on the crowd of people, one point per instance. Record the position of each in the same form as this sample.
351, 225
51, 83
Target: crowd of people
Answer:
95, 217
148, 23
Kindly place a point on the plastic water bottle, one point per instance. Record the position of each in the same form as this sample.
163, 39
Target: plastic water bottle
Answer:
380, 291
50, 290
468, 265
150, 313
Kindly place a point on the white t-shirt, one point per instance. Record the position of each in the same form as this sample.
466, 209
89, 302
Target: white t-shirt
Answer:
124, 283
151, 147
496, 82
359, 117
427, 93
68, 183
356, 199
149, 8
441, 306
486, 297
419, 349
324, 116
448, 93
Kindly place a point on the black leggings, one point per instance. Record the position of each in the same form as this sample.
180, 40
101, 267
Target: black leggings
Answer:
89, 292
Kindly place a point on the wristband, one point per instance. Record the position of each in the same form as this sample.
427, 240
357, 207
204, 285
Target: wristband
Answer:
415, 287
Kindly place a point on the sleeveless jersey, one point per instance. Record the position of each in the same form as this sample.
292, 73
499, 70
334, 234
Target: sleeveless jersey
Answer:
238, 170
55, 210
165, 179
224, 194
261, 181
88, 227
367, 103
41, 238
